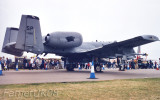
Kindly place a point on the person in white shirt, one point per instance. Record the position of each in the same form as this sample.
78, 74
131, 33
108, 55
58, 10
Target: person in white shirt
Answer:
31, 63
37, 63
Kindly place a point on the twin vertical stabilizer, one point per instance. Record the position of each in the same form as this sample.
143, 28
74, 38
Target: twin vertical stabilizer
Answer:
10, 42
29, 36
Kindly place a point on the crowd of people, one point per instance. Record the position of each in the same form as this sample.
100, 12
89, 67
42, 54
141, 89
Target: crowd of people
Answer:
138, 64
132, 64
32, 63
40, 63
5, 63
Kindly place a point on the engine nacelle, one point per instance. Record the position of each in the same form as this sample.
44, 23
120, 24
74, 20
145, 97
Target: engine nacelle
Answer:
63, 39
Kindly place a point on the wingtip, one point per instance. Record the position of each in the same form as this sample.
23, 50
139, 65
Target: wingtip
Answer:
151, 37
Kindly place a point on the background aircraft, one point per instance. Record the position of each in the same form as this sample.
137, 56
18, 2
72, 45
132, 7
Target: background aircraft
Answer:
69, 45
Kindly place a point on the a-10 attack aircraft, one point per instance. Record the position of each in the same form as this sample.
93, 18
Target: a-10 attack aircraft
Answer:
69, 45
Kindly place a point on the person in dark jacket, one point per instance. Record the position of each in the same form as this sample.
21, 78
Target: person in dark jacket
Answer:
7, 64
16, 62
132, 64
42, 64
151, 64
147, 64
24, 63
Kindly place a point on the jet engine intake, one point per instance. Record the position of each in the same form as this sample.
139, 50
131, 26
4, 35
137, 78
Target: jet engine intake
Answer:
47, 38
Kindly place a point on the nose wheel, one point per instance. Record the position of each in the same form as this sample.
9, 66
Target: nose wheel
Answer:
98, 68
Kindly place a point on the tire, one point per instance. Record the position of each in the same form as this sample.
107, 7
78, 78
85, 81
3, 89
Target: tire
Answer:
121, 68
98, 68
70, 67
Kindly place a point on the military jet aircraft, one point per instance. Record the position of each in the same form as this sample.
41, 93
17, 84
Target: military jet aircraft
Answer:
69, 45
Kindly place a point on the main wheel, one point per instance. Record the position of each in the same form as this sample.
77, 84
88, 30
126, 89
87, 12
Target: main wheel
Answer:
98, 68
121, 68
70, 67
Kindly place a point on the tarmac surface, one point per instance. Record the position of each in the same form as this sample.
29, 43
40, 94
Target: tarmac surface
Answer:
61, 75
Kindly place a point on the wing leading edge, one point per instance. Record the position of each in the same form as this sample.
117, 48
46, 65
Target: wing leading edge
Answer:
130, 43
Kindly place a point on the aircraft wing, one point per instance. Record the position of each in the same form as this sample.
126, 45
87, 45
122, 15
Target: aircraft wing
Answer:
137, 41
130, 43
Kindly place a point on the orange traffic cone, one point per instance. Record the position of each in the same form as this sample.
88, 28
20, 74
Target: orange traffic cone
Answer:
157, 67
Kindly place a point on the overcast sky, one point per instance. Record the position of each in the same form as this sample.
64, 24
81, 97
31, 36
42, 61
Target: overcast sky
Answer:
103, 20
